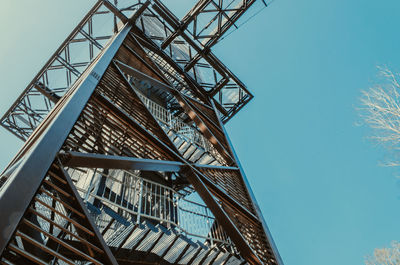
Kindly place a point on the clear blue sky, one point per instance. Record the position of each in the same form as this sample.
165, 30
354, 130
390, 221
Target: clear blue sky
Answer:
316, 177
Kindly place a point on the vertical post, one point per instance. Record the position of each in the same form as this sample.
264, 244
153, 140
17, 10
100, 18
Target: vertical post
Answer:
90, 185
140, 201
169, 215
209, 227
129, 191
177, 211
170, 119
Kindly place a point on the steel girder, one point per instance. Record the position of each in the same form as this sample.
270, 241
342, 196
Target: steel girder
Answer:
202, 70
22, 185
102, 115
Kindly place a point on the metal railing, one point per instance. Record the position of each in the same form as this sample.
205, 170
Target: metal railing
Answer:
159, 112
187, 132
128, 198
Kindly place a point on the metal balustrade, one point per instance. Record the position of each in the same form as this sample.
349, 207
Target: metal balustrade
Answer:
189, 133
175, 123
129, 198
160, 113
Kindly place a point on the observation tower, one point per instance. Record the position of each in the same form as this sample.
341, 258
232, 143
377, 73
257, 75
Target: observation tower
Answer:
125, 157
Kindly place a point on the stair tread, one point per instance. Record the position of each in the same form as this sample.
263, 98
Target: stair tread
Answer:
163, 243
175, 251
137, 235
222, 256
149, 240
234, 261
123, 233
202, 254
190, 253
214, 252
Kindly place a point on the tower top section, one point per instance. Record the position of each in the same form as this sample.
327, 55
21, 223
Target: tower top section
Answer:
180, 48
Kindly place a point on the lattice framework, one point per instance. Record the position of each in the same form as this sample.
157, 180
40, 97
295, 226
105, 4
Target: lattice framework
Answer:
98, 119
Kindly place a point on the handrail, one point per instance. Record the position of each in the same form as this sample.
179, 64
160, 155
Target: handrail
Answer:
145, 199
189, 133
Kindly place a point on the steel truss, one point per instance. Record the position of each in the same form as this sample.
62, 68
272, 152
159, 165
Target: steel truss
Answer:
139, 104
194, 64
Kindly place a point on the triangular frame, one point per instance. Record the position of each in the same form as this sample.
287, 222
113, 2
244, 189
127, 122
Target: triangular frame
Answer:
43, 147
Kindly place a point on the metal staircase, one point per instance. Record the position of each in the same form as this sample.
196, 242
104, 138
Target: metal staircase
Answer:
135, 230
128, 161
151, 219
168, 244
190, 150
191, 144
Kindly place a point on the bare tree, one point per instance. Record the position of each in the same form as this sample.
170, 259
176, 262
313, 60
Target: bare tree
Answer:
380, 109
385, 256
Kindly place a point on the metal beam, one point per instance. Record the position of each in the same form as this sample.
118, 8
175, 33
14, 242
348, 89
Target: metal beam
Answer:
204, 128
227, 199
121, 15
184, 104
47, 92
258, 212
193, 85
76, 159
25, 180
90, 160
139, 75
208, 56
187, 19
230, 228
149, 114
255, 204
85, 211
52, 58
115, 11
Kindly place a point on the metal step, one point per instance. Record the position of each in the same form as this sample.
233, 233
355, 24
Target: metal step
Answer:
136, 236
148, 242
189, 151
169, 245
191, 252
203, 254
207, 159
183, 147
222, 257
164, 244
123, 232
176, 250
214, 252
234, 261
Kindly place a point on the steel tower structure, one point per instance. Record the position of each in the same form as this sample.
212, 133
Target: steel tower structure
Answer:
126, 159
